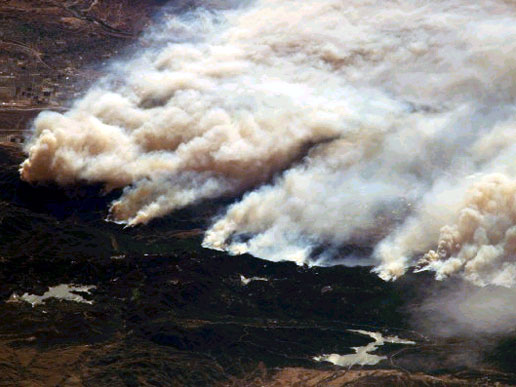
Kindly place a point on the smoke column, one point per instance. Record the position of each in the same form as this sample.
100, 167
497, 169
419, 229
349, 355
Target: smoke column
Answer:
382, 123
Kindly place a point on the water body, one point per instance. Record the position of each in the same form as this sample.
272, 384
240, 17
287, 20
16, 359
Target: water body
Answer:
363, 355
246, 281
64, 292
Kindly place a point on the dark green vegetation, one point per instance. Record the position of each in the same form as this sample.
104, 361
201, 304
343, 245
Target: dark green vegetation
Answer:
167, 312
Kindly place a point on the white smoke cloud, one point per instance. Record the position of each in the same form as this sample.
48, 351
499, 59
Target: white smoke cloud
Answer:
361, 122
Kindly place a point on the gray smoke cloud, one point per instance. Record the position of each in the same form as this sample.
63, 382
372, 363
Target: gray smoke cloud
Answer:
461, 309
381, 123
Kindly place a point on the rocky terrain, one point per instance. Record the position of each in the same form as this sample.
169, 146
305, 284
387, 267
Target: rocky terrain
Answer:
159, 309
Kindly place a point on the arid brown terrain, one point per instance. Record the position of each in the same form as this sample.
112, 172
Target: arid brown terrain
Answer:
51, 50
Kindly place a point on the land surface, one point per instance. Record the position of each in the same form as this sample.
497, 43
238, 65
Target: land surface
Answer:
164, 311
51, 50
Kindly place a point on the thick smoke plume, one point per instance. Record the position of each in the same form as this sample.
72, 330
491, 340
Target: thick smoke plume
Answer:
383, 123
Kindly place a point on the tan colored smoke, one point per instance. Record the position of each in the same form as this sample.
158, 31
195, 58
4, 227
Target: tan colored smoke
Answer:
357, 122
481, 245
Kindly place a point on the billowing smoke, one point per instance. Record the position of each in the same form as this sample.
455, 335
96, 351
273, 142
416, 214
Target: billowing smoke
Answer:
361, 122
482, 242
